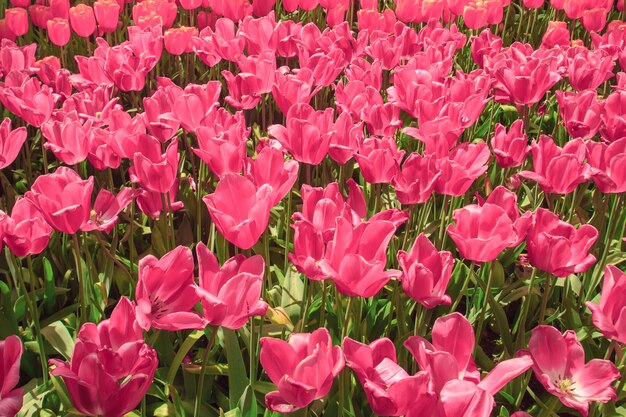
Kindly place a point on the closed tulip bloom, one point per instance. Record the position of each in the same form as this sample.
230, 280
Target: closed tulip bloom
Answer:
557, 34
11, 399
480, 13
16, 20
426, 273
190, 4
155, 171
609, 316
27, 233
239, 209
11, 140
303, 369
107, 13
63, 198
390, 390
581, 112
83, 20
608, 164
356, 257
111, 367
60, 8
558, 170
307, 133
59, 31
178, 40
510, 148
308, 250
533, 4
166, 292
231, 294
559, 364
270, 167
68, 139
557, 247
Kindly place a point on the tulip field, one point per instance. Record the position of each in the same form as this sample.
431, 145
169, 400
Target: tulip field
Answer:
357, 208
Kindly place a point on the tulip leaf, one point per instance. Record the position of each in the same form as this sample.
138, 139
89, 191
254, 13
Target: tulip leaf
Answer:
49, 296
180, 355
247, 403
237, 378
59, 338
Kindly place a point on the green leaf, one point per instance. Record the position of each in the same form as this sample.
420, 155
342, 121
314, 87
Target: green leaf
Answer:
238, 378
59, 338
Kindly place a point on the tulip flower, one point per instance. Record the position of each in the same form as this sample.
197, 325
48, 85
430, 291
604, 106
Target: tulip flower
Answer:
308, 250
614, 116
59, 31
239, 209
510, 148
609, 316
416, 180
559, 364
83, 20
16, 19
155, 171
557, 247
151, 203
269, 167
454, 378
587, 69
107, 13
307, 133
178, 40
231, 294
465, 163
27, 98
608, 167
355, 259
558, 170
63, 198
67, 139
111, 367
390, 390
581, 113
195, 103
106, 208
11, 398
557, 34
166, 292
27, 233
11, 140
303, 368
426, 273
379, 159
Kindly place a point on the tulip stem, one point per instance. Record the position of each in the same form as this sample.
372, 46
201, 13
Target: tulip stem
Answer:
483, 310
546, 296
464, 288
521, 324
34, 315
81, 282
205, 362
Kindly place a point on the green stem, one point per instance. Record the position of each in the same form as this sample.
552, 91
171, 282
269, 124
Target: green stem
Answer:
82, 296
205, 362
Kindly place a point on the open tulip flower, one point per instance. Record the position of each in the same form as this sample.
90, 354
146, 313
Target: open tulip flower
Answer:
203, 202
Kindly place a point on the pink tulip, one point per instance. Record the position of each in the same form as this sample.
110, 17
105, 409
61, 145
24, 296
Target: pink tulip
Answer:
11, 140
390, 390
16, 20
39, 15
415, 182
607, 162
59, 31
239, 209
482, 232
557, 247
195, 103
159, 117
581, 113
558, 170
151, 203
231, 294
426, 273
222, 142
155, 171
454, 378
166, 292
355, 259
587, 69
27, 98
303, 368
614, 116
107, 14
11, 398
465, 163
111, 367
16, 57
307, 133
177, 41
67, 139
290, 89
269, 167
480, 13
559, 364
308, 250
83, 20
379, 159
63, 198
346, 140
510, 148
27, 233
486, 44
609, 316
151, 13
107, 207
557, 34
